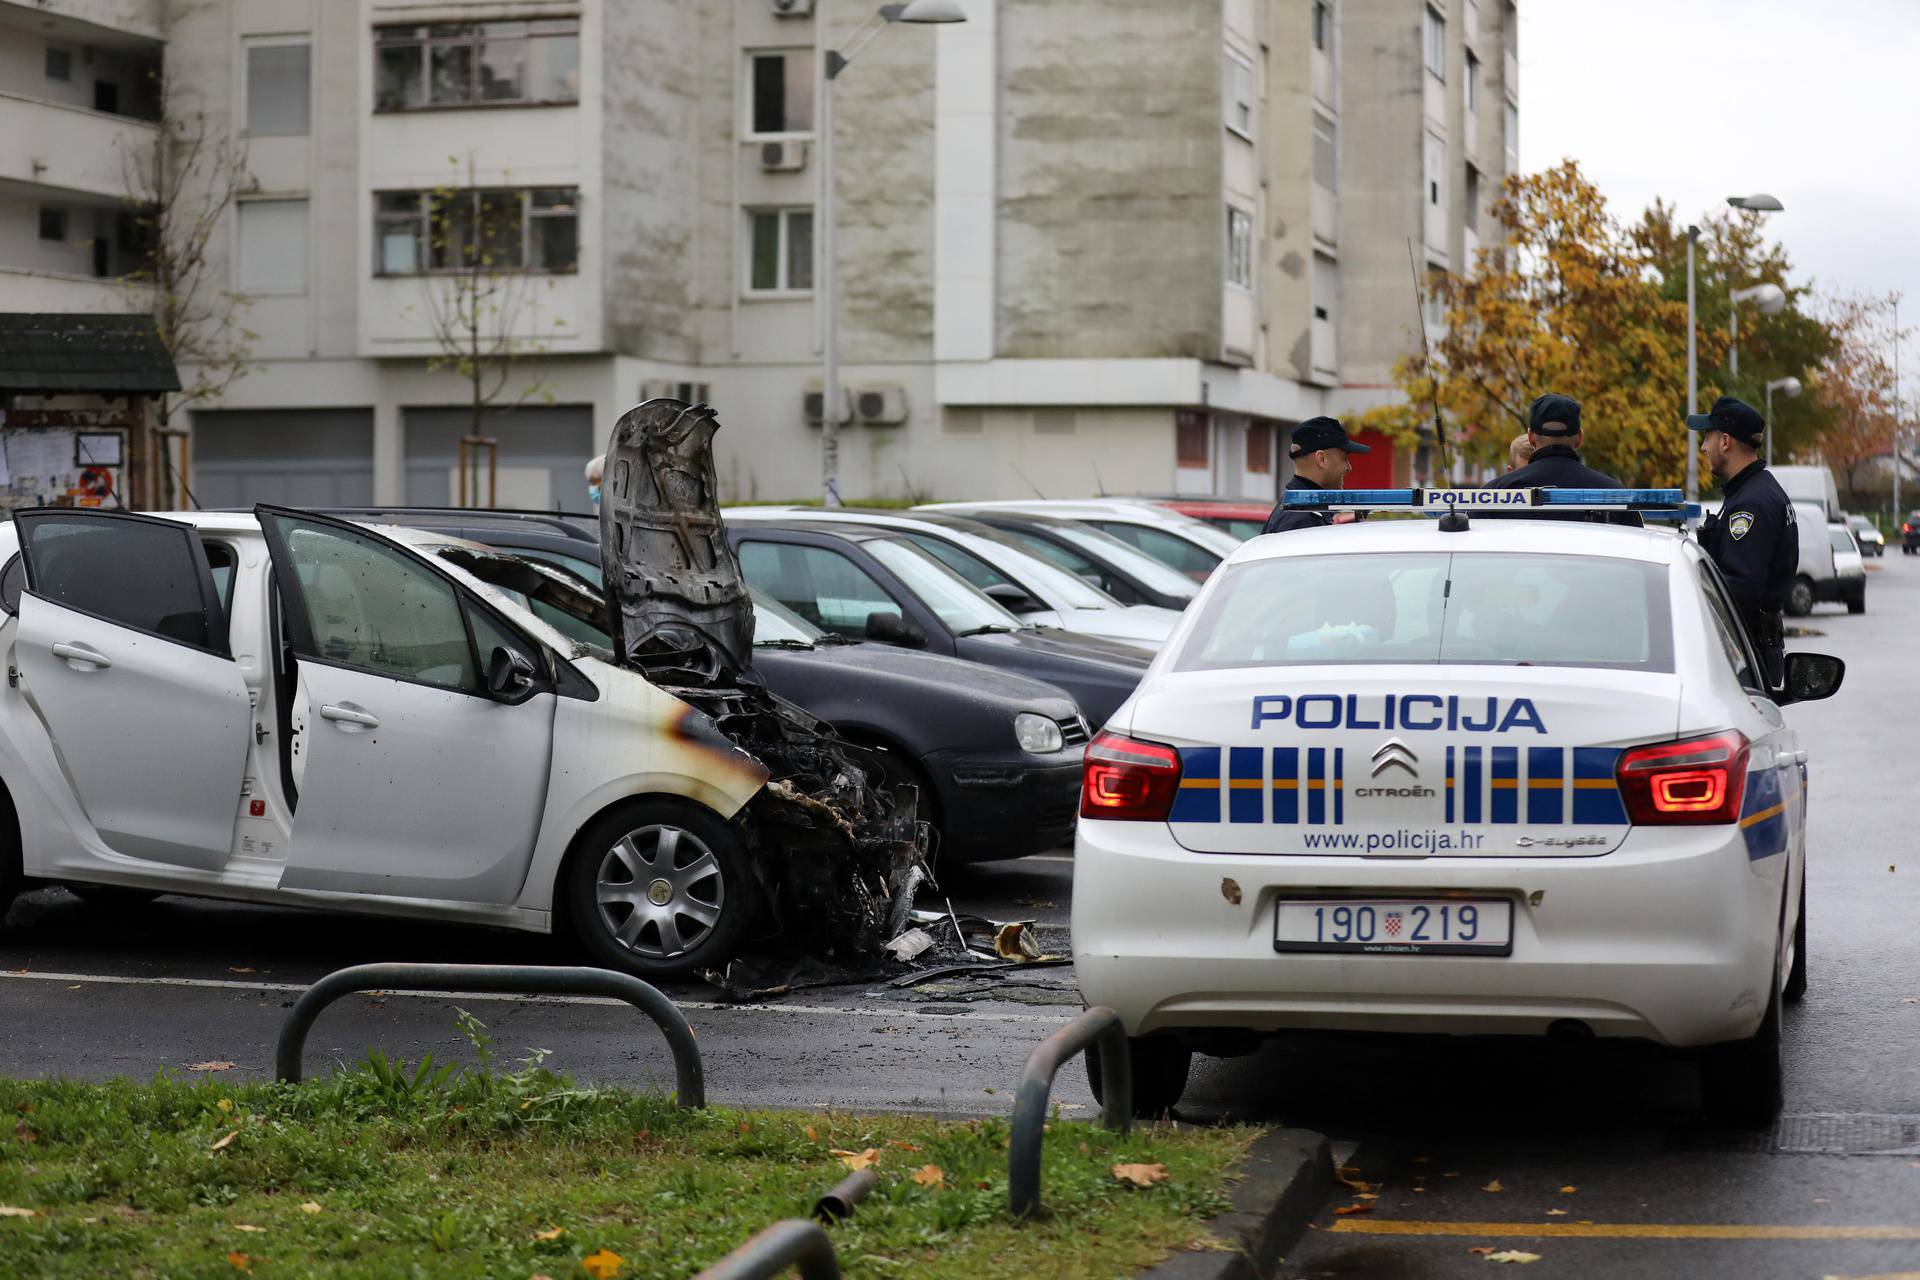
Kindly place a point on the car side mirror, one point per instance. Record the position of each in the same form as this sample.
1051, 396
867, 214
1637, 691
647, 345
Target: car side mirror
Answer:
891, 628
1811, 677
1012, 598
509, 675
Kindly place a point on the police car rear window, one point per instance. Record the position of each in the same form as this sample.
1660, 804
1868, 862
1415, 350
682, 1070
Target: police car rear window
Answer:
1506, 609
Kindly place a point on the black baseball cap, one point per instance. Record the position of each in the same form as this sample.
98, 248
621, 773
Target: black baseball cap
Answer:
1554, 415
1324, 433
1735, 417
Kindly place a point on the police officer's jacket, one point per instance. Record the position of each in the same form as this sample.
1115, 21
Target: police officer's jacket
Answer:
1754, 541
1286, 519
1559, 466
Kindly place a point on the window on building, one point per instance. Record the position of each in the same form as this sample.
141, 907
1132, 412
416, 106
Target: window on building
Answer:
273, 246
1436, 42
1472, 87
1237, 108
780, 92
1191, 431
460, 64
779, 250
1326, 153
279, 88
1323, 26
1436, 309
1470, 201
59, 64
1259, 447
1239, 247
1326, 287
53, 223
498, 229
1513, 138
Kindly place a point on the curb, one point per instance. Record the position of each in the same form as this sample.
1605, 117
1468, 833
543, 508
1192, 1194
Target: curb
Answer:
1287, 1175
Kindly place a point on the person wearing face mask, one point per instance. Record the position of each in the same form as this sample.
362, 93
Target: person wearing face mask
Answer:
1751, 539
1319, 451
596, 471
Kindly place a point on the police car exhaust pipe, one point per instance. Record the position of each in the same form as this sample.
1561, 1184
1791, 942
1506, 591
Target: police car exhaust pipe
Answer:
1569, 1031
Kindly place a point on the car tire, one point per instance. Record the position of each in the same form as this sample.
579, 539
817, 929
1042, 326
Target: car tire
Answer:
1160, 1070
682, 868
1742, 1084
1857, 601
112, 897
1796, 987
1800, 598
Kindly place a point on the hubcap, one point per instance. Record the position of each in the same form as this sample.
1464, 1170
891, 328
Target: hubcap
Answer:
660, 891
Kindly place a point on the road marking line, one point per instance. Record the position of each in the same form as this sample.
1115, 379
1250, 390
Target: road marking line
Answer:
704, 1006
1621, 1230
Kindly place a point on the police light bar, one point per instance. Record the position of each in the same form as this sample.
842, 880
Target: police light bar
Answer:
1658, 503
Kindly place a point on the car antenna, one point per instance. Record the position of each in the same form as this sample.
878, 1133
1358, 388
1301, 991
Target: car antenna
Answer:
1426, 354
1100, 484
1030, 484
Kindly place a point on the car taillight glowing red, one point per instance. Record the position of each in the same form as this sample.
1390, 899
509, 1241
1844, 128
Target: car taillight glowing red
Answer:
1126, 780
1695, 782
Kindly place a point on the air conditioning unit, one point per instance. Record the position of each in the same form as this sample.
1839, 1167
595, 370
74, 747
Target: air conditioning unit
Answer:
793, 8
880, 404
783, 157
668, 389
811, 400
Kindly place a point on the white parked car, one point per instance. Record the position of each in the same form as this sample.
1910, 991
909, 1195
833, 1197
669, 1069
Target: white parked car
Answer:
291, 708
1517, 778
1193, 547
1849, 566
1034, 590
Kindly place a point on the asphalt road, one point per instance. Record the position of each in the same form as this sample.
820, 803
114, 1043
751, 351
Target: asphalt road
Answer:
1433, 1125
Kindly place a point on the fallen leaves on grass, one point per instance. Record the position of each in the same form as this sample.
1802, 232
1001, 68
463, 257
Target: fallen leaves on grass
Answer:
902, 1146
311, 1206
249, 1227
551, 1233
1140, 1175
931, 1175
215, 1065
858, 1160
240, 1262
811, 1135
11, 1211
221, 1145
1493, 1186
603, 1265
1513, 1255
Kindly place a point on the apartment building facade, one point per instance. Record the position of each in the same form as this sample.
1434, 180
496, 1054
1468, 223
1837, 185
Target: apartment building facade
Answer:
1082, 247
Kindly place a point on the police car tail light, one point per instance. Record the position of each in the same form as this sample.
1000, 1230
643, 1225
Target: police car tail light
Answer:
1696, 782
1126, 780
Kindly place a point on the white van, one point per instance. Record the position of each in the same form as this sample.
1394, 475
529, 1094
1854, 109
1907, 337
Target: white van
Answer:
1817, 579
1811, 484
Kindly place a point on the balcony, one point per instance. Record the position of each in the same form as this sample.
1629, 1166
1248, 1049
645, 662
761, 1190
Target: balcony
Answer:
60, 149
87, 21
1510, 74
49, 291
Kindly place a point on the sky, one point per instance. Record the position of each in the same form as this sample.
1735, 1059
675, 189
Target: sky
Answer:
1814, 101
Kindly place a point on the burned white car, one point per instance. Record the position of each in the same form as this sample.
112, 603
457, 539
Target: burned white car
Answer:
292, 708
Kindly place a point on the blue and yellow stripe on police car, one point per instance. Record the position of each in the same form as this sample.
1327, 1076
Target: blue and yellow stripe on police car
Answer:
1286, 785
1246, 780
1198, 799
1763, 815
1596, 793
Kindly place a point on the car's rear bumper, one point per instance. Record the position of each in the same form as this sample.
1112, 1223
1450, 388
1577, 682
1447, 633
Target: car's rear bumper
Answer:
1672, 937
1005, 804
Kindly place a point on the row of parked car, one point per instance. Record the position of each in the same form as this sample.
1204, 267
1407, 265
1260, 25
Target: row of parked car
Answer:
978, 645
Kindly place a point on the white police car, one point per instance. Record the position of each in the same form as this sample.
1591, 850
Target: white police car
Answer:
1479, 776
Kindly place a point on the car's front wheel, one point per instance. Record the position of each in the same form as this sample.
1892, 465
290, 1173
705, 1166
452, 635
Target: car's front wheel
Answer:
1800, 598
1160, 1070
658, 888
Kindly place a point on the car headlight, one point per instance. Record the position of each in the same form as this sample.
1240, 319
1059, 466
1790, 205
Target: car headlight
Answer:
1036, 733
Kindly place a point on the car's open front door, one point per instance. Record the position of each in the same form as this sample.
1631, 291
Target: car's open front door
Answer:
419, 780
122, 650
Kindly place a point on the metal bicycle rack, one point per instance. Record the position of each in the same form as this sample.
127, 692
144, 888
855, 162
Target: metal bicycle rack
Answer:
796, 1241
1097, 1025
461, 979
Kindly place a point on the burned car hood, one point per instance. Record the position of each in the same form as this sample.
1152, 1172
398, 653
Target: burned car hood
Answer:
838, 852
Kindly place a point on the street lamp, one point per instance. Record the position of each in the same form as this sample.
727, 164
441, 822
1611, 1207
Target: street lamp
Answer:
1767, 299
1759, 202
834, 62
1788, 387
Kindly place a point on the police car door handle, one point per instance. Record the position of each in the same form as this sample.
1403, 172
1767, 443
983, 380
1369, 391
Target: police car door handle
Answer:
80, 657
350, 717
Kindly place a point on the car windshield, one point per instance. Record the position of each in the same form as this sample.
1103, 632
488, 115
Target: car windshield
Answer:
959, 604
1526, 609
989, 561
1173, 548
1139, 566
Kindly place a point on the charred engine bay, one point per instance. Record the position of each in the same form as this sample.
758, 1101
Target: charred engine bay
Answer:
838, 856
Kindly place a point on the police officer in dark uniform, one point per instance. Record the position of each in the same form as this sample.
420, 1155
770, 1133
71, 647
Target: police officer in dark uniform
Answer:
1319, 451
1553, 427
1752, 538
